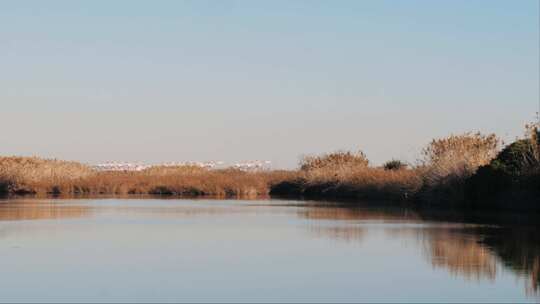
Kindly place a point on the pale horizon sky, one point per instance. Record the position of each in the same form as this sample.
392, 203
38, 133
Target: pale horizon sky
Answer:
159, 81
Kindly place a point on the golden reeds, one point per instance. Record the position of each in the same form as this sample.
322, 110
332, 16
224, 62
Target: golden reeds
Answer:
20, 175
336, 160
447, 163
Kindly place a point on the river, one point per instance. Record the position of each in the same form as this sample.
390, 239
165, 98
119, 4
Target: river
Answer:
172, 250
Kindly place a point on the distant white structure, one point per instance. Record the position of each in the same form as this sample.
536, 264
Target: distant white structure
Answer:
207, 165
256, 165
116, 166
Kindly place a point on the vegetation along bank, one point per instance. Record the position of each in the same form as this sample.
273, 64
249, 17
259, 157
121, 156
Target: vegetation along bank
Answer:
470, 170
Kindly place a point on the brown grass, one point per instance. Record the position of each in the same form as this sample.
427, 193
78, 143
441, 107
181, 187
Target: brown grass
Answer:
182, 181
447, 163
26, 174
364, 182
334, 161
20, 175
357, 181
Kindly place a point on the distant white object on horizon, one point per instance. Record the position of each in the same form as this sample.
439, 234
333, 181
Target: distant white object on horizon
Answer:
255, 165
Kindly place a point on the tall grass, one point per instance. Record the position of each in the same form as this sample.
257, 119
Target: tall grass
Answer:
334, 161
440, 177
26, 174
187, 181
347, 175
19, 175
448, 162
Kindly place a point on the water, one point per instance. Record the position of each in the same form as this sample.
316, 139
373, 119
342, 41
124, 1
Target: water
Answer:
150, 250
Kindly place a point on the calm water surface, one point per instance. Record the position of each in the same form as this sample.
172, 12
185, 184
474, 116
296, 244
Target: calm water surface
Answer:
148, 250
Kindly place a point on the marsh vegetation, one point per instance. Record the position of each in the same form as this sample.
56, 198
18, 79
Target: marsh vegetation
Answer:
466, 170
469, 170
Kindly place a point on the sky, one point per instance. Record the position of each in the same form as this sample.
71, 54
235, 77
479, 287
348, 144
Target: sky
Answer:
158, 81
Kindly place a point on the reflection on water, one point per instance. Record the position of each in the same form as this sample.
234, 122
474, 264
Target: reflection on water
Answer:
519, 249
473, 249
460, 254
17, 210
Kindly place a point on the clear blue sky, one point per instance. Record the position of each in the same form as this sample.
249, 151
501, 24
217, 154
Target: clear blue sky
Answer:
232, 80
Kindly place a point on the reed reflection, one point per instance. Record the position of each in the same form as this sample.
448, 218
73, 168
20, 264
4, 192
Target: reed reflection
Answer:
471, 251
468, 248
460, 254
18, 210
13, 210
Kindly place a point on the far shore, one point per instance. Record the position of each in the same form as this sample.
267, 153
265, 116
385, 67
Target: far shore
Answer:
467, 171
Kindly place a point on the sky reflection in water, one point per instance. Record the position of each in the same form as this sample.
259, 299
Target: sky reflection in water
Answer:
216, 250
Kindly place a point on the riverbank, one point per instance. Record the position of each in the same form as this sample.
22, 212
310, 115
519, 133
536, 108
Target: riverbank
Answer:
37, 177
459, 171
467, 171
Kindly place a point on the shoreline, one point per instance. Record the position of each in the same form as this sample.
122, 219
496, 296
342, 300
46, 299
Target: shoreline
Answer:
467, 171
462, 209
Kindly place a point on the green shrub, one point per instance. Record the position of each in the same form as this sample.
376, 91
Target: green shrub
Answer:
394, 165
516, 159
513, 177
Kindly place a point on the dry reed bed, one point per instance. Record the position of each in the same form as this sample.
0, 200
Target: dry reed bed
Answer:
439, 177
19, 175
333, 175
362, 183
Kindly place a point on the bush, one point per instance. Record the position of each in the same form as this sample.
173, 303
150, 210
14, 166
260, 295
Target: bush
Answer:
533, 133
516, 159
513, 177
394, 165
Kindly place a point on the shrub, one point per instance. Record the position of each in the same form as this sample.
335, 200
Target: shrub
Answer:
516, 158
522, 157
394, 165
512, 177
